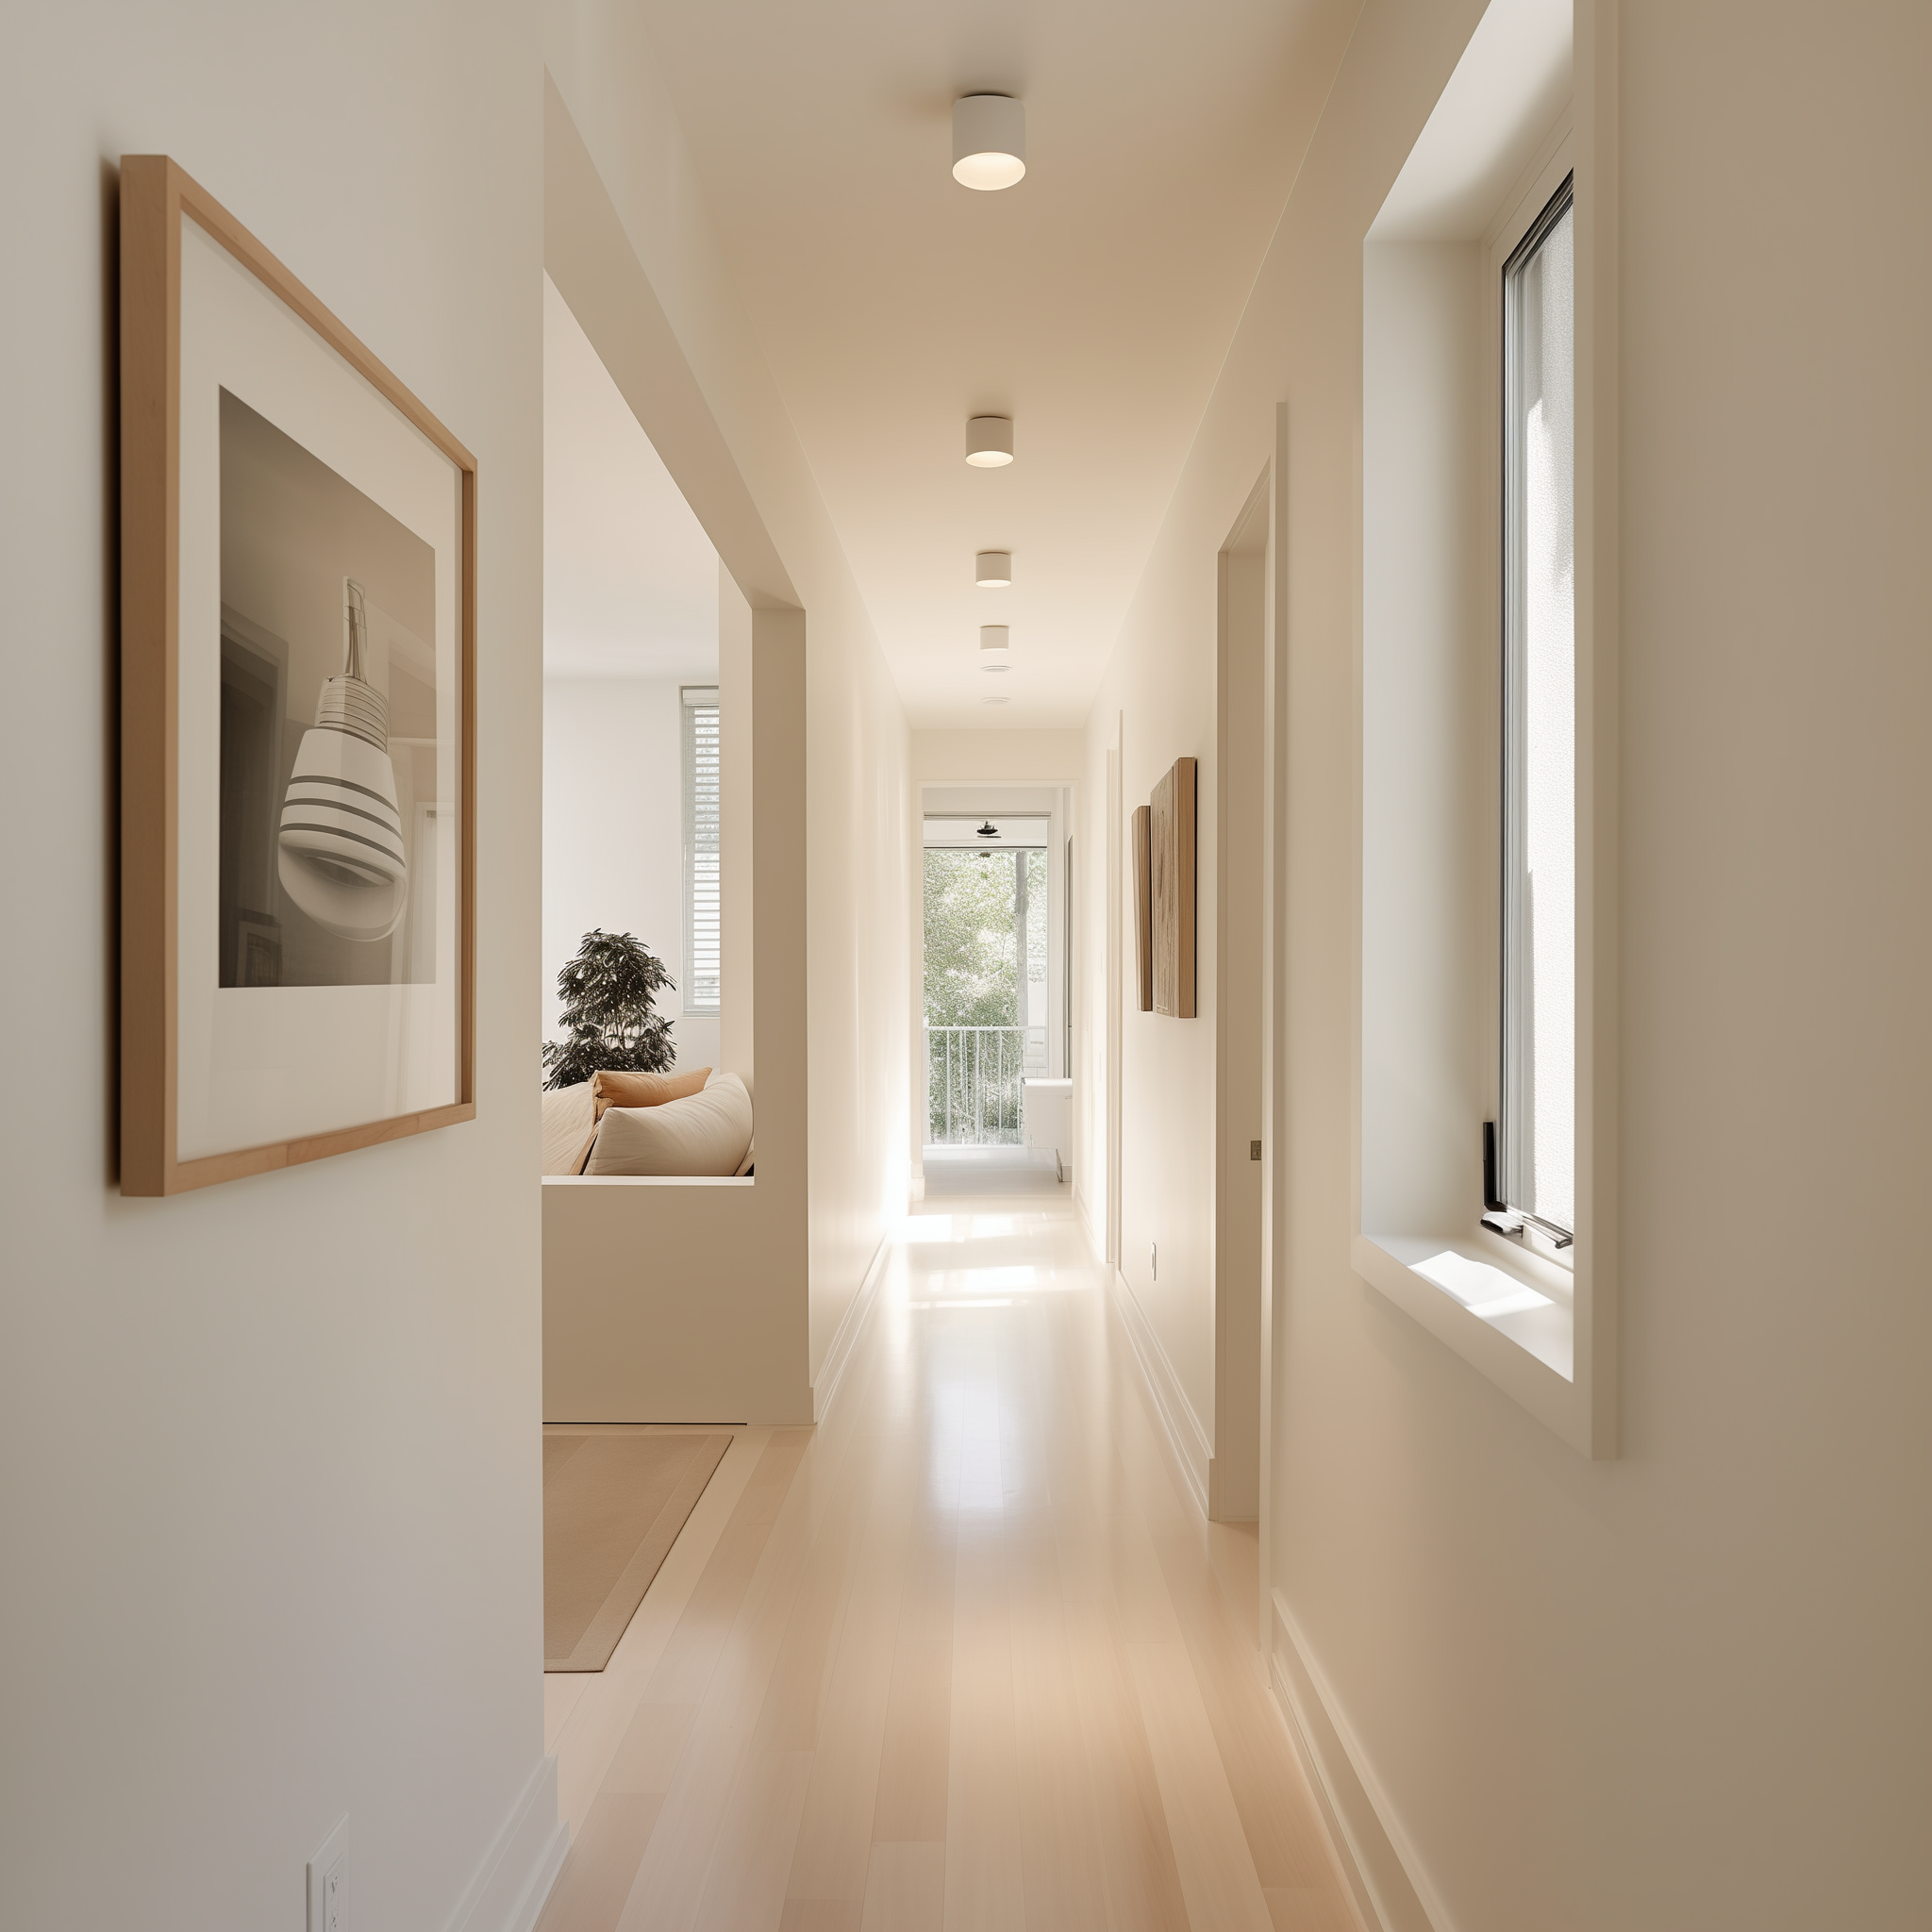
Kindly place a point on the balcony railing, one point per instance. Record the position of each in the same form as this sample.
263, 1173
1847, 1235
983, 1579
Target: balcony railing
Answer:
973, 1084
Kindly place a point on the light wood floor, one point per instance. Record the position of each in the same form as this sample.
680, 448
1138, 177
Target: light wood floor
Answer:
963, 1657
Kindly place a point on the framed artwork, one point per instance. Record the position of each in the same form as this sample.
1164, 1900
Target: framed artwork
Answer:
297, 718
1170, 846
1144, 914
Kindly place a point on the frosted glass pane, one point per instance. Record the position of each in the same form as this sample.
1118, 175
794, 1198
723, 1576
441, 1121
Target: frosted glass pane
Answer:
1539, 966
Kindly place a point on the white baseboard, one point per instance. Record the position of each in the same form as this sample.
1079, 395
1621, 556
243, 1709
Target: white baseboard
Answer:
1393, 1892
838, 1357
1083, 1209
514, 1879
1191, 1446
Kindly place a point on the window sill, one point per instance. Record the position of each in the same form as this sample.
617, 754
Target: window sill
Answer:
1509, 1315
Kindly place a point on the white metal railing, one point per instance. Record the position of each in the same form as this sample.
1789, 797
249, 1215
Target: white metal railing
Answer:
972, 1085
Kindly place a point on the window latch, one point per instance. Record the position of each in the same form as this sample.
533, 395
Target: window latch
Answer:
1499, 1217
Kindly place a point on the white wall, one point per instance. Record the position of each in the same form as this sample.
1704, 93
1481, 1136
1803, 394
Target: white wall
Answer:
1687, 1687
613, 835
1158, 705
722, 429
268, 1453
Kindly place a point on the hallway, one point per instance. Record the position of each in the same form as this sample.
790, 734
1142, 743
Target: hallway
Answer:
964, 1656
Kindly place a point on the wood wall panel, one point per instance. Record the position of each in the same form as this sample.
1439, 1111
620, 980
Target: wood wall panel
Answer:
1143, 913
1171, 843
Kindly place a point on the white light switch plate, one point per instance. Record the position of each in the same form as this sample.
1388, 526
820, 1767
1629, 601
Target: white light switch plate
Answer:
328, 1883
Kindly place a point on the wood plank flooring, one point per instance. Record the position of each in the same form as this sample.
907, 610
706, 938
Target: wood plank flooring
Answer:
962, 1659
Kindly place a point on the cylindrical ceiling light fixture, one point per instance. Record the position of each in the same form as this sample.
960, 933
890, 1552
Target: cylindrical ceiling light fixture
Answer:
993, 569
993, 652
990, 441
989, 140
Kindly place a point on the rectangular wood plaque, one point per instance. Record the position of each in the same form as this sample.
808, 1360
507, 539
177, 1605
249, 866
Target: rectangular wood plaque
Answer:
1143, 915
1171, 843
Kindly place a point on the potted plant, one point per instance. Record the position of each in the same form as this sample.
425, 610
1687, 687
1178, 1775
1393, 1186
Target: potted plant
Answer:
606, 992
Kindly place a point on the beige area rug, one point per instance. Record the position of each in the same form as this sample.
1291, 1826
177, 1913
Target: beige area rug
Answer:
613, 1507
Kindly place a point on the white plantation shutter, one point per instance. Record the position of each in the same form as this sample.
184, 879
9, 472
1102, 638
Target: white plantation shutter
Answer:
702, 947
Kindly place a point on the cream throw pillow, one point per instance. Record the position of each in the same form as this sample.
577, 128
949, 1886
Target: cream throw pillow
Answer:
703, 1134
567, 1124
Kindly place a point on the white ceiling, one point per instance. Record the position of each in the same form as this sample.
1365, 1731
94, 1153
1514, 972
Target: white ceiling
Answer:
1093, 302
630, 580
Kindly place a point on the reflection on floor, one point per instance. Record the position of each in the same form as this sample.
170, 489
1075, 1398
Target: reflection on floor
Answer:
963, 1656
984, 1170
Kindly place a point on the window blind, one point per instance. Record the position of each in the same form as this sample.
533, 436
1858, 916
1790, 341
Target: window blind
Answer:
702, 910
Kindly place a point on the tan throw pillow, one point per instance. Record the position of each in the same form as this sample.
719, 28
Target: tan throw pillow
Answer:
644, 1090
568, 1124
703, 1134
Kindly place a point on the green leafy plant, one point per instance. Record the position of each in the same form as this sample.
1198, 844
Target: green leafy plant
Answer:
606, 992
969, 977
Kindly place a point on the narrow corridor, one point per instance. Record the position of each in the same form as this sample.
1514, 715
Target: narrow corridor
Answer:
963, 1656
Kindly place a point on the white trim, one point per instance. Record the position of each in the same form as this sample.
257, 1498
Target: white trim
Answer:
1391, 1890
512, 1882
649, 1180
839, 1351
1096, 1239
1418, 1178
1190, 1441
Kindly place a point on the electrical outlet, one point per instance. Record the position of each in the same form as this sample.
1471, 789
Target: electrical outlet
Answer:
1253, 1150
328, 1883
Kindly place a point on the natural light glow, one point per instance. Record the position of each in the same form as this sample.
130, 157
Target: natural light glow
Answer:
1538, 1113
1482, 1290
963, 1448
985, 1280
920, 1228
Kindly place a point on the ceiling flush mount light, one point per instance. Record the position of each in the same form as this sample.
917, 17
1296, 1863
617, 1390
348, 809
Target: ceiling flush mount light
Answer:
1000, 700
990, 441
989, 140
993, 647
993, 569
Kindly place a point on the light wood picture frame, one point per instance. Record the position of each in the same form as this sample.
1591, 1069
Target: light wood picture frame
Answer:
298, 543
1143, 913
1172, 854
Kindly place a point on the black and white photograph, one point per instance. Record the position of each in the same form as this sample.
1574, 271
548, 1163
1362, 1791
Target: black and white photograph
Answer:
328, 793
296, 722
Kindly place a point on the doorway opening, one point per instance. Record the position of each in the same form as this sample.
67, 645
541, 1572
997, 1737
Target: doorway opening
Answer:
986, 978
993, 997
632, 714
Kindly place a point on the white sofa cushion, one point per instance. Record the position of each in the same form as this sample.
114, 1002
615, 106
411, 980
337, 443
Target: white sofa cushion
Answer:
704, 1133
568, 1121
